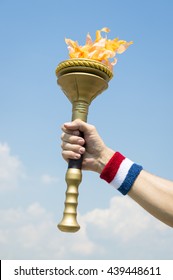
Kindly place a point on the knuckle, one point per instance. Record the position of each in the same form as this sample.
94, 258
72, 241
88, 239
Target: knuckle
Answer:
64, 154
92, 127
62, 136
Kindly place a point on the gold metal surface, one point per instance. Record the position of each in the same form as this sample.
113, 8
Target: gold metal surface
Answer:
84, 65
69, 222
81, 80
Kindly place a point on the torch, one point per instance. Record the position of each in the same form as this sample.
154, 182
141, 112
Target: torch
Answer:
82, 78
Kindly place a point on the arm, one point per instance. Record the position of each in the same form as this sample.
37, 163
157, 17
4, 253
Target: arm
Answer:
154, 194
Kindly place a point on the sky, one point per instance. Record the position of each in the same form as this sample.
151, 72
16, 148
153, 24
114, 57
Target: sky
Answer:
133, 116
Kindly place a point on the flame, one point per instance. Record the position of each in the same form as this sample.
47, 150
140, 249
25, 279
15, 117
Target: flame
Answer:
102, 49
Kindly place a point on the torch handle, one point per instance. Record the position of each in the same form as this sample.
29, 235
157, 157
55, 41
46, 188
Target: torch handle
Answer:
73, 178
76, 163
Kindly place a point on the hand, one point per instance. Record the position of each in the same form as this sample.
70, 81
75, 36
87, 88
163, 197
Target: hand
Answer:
95, 153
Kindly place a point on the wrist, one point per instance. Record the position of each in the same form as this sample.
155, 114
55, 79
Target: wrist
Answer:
104, 158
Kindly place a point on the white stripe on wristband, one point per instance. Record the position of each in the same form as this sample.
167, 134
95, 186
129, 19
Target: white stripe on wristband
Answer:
122, 173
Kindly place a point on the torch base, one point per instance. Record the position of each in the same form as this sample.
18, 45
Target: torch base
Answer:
65, 228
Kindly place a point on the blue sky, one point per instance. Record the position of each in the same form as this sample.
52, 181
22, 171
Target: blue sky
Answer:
134, 116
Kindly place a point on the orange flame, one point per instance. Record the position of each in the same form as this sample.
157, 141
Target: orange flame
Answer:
102, 49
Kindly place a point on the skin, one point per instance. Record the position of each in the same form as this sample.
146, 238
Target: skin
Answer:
153, 193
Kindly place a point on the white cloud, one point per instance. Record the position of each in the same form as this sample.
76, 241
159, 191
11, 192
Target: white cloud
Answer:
122, 231
34, 233
121, 215
48, 179
11, 168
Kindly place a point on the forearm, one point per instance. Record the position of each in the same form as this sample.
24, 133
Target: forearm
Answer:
155, 195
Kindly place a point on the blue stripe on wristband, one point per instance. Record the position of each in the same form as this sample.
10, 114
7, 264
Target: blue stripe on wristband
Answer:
130, 178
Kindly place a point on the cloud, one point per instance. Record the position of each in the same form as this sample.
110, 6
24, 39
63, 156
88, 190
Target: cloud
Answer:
11, 168
48, 179
124, 230
121, 231
121, 215
32, 233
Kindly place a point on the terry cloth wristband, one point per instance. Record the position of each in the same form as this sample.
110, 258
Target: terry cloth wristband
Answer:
121, 173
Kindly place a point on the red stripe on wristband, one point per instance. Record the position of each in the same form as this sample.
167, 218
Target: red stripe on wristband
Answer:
111, 168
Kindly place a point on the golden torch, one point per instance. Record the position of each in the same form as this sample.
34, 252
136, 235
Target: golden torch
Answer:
82, 78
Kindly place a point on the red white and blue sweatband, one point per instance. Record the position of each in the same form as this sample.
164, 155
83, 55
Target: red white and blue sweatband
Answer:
121, 172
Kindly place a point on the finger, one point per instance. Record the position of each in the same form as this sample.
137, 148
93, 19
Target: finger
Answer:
70, 155
76, 125
70, 131
74, 148
72, 139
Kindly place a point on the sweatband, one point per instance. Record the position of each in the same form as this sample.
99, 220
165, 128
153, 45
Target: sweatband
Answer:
121, 173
